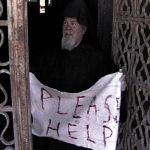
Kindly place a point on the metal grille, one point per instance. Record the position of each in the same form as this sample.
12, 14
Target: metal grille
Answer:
131, 50
6, 127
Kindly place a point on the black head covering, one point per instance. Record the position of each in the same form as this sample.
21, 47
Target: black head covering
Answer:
79, 10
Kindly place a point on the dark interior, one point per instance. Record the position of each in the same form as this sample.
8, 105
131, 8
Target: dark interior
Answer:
45, 30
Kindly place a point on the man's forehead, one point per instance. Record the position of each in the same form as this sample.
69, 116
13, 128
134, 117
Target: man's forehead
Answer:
70, 19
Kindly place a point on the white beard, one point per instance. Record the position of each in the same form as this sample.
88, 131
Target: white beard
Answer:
68, 43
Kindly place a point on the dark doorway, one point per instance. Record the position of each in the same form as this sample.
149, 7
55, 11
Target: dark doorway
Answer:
45, 30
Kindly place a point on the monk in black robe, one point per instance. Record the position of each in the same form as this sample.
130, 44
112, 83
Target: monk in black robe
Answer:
74, 68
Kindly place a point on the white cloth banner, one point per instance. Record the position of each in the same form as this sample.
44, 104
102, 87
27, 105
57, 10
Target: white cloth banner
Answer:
89, 118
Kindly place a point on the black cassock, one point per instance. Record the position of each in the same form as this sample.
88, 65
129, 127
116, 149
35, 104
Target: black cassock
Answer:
70, 71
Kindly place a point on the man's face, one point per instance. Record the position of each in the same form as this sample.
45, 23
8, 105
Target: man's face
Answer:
72, 33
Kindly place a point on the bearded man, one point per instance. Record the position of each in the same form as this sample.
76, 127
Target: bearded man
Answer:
73, 33
74, 68
77, 66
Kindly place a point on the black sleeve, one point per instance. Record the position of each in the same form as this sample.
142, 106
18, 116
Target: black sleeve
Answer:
42, 64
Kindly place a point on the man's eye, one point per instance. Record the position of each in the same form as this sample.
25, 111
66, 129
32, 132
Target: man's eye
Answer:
73, 23
65, 22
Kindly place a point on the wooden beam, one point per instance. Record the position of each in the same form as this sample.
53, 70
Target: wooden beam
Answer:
19, 73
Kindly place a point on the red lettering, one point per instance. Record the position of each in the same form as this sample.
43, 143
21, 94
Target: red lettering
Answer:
77, 105
59, 104
104, 133
92, 104
88, 135
107, 107
54, 129
116, 118
117, 100
69, 132
42, 96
